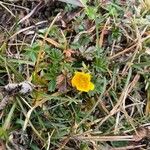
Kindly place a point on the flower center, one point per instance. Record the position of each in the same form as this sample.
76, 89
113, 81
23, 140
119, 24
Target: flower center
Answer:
83, 82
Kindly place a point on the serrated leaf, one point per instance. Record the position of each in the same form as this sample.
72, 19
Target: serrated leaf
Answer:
100, 64
55, 55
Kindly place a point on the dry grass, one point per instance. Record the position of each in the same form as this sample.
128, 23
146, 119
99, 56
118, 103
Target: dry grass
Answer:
45, 43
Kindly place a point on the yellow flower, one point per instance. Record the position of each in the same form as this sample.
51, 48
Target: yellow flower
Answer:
82, 81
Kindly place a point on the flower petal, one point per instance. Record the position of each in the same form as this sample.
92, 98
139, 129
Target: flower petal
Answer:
73, 81
82, 82
88, 76
91, 86
82, 89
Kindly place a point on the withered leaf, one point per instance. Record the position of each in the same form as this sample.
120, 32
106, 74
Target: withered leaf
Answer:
74, 2
2, 145
69, 52
142, 133
68, 55
61, 83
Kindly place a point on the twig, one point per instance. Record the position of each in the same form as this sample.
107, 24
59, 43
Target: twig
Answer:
122, 52
7, 9
27, 28
106, 138
128, 147
30, 14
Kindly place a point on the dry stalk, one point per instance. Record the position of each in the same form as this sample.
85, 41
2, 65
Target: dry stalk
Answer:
122, 98
129, 147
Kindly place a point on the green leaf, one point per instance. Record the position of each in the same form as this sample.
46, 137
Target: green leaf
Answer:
52, 85
84, 146
3, 133
91, 12
31, 52
34, 147
55, 55
101, 64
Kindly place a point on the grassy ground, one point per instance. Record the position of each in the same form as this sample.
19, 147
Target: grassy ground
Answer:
46, 43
